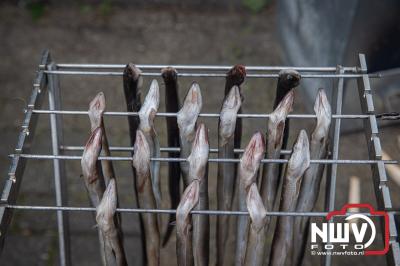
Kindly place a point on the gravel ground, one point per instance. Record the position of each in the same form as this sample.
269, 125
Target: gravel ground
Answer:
168, 36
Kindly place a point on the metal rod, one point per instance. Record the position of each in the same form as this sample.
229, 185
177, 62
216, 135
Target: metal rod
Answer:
171, 211
59, 177
162, 149
204, 67
157, 74
211, 115
331, 182
213, 160
336, 139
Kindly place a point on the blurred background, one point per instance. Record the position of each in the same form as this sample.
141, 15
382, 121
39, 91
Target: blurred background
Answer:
249, 32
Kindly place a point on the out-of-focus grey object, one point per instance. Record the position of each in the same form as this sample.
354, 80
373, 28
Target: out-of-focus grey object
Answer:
331, 32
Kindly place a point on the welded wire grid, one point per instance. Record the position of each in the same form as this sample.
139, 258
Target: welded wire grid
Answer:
47, 83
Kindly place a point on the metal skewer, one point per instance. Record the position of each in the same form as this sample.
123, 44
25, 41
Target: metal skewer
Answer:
212, 160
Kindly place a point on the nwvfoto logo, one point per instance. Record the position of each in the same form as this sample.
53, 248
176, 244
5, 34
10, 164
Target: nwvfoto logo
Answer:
340, 232
337, 234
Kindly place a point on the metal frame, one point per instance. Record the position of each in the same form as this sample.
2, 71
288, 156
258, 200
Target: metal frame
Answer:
17, 166
208, 115
156, 74
330, 196
47, 77
379, 177
211, 160
60, 184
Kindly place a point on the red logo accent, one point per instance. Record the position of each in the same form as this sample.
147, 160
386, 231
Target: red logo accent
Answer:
372, 211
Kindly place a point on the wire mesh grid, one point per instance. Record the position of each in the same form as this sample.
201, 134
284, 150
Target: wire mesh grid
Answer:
47, 82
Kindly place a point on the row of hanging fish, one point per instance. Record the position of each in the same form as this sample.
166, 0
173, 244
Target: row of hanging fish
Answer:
254, 187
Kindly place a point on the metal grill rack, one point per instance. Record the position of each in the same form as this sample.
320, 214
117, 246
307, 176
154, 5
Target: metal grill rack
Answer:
47, 83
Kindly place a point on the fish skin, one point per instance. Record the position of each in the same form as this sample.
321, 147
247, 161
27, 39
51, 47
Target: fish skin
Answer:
198, 170
259, 221
132, 83
96, 110
288, 79
186, 119
193, 233
198, 158
298, 163
147, 114
235, 77
312, 178
97, 107
105, 217
248, 171
226, 171
184, 228
270, 174
170, 78
93, 177
142, 165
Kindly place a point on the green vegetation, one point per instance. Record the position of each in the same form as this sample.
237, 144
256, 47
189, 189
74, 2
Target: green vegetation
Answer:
255, 5
105, 8
36, 9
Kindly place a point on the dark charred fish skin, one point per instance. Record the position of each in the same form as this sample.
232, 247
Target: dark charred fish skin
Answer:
298, 163
170, 78
187, 121
193, 233
132, 89
288, 79
312, 178
132, 83
259, 221
235, 77
226, 171
141, 164
198, 170
248, 171
270, 174
105, 217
